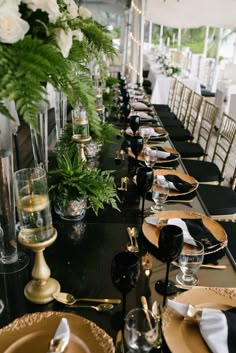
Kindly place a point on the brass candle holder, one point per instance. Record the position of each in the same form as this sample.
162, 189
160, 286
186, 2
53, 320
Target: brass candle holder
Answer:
80, 126
41, 288
81, 141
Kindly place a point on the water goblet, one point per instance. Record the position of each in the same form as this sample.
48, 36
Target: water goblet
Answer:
134, 122
144, 183
150, 156
141, 330
160, 192
170, 244
190, 260
145, 133
125, 271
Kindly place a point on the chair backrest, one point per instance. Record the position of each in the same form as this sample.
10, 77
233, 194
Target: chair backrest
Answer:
209, 115
171, 91
232, 105
233, 181
225, 142
193, 113
185, 102
177, 97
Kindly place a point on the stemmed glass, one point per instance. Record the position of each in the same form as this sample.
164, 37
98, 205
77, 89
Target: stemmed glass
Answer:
190, 260
134, 122
136, 146
141, 330
150, 156
144, 182
125, 270
145, 133
170, 245
160, 192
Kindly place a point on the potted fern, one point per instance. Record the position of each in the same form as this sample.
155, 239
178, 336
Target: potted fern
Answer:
72, 185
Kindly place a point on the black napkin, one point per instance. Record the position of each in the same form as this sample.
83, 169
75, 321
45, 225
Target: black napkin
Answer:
180, 184
199, 232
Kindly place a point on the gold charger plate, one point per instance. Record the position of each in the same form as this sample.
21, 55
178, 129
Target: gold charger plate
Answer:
152, 232
184, 337
183, 176
37, 329
166, 149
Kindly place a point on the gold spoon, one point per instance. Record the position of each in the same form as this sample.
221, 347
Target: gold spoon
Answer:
69, 299
99, 307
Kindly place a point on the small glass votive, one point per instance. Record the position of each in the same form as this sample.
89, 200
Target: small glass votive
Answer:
32, 204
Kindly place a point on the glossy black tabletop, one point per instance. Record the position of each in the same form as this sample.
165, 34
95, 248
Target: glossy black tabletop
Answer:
80, 259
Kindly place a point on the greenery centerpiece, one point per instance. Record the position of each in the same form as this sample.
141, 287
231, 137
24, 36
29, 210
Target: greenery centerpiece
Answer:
73, 179
49, 42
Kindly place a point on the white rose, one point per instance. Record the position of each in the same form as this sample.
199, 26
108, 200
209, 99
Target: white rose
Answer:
12, 27
49, 6
84, 12
64, 41
78, 35
9, 3
72, 8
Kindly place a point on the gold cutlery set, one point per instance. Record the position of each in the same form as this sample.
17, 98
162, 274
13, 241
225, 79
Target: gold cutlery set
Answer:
69, 300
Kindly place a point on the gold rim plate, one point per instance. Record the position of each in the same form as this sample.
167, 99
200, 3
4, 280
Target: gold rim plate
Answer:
37, 329
152, 232
183, 336
166, 149
183, 176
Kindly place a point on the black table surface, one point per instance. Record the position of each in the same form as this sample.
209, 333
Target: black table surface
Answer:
80, 258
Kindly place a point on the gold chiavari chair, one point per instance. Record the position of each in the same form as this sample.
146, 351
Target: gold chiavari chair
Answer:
212, 172
200, 147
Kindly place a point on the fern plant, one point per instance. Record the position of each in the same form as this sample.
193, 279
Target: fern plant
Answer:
48, 44
72, 179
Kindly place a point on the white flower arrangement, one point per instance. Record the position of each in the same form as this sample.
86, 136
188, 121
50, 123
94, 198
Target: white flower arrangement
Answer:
48, 41
170, 69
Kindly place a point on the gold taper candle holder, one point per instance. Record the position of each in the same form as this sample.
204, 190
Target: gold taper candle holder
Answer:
81, 142
41, 288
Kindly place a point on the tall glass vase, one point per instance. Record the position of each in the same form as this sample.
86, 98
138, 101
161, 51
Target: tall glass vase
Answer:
10, 259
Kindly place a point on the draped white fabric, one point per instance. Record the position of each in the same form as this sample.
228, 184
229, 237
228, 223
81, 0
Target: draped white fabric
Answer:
192, 13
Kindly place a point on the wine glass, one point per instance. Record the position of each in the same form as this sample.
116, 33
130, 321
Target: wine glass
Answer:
141, 330
160, 192
134, 122
136, 145
170, 244
125, 270
190, 260
145, 133
150, 156
144, 182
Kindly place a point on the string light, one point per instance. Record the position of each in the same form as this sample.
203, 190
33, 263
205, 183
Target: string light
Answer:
136, 7
134, 39
133, 68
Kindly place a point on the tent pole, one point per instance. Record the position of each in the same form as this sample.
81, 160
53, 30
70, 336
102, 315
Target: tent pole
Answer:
150, 35
126, 41
206, 41
179, 37
220, 37
161, 37
141, 42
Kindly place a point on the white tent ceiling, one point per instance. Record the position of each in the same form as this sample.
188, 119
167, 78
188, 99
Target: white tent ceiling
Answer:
192, 13
175, 13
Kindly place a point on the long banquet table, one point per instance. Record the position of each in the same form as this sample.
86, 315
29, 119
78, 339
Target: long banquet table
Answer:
80, 259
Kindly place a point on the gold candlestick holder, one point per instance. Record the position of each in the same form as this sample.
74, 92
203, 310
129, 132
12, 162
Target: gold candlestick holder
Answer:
82, 142
41, 288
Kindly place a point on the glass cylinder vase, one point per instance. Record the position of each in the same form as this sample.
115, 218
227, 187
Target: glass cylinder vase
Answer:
10, 259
